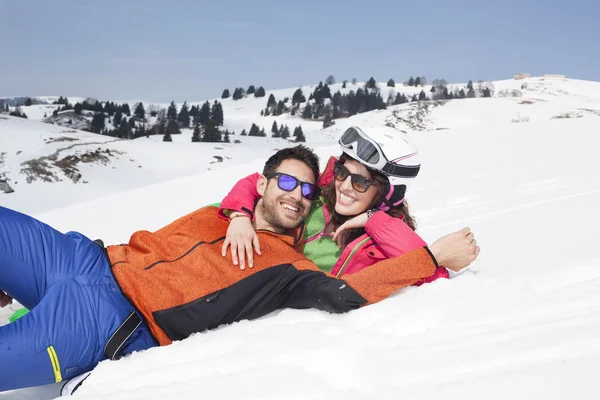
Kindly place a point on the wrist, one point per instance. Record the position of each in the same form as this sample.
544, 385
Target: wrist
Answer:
236, 214
371, 212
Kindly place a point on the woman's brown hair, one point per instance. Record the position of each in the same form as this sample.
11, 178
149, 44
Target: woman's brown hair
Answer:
329, 199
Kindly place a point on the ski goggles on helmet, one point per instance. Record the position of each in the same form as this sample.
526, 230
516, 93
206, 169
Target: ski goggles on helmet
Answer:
360, 183
289, 183
360, 146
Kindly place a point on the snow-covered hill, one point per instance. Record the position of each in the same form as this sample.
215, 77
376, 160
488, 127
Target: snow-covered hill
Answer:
521, 323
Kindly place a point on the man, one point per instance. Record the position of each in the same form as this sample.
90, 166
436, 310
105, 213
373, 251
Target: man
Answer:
90, 303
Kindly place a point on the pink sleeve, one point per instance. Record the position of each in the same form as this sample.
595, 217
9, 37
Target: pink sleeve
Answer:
327, 175
392, 235
395, 238
242, 197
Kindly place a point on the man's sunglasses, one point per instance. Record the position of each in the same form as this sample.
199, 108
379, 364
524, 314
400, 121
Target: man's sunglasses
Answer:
359, 182
289, 183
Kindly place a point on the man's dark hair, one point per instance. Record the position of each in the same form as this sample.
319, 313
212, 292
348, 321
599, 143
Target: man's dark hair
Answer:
300, 153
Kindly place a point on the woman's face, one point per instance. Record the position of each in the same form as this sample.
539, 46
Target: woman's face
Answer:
348, 201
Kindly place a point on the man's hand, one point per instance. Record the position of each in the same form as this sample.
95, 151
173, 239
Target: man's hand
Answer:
4, 299
243, 239
456, 250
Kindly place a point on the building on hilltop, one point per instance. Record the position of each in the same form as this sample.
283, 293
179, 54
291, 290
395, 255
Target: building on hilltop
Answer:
554, 76
520, 75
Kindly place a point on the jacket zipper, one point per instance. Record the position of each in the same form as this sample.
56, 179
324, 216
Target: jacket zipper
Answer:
319, 236
354, 250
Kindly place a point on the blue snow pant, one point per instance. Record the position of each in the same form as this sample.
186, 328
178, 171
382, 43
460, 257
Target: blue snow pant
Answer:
66, 282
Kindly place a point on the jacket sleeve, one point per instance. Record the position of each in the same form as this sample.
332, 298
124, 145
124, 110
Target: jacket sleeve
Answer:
304, 286
392, 235
395, 238
242, 197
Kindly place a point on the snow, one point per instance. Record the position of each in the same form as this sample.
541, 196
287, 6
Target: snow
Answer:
521, 323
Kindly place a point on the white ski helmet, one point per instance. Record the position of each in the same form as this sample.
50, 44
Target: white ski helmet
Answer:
388, 151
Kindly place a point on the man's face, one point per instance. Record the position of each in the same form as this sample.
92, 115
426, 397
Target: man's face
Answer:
281, 209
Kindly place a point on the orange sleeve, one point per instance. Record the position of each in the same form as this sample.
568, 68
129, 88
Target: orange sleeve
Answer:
384, 278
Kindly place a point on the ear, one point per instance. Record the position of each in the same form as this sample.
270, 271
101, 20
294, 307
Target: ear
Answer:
261, 185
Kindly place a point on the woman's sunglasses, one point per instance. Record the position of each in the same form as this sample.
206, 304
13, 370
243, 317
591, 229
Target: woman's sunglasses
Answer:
289, 183
359, 182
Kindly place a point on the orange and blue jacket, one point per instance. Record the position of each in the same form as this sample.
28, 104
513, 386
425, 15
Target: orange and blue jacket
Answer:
180, 283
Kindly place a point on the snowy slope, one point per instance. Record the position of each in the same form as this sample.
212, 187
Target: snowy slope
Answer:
43, 155
149, 160
521, 323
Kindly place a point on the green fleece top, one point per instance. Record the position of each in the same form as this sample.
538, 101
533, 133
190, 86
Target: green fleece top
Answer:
318, 247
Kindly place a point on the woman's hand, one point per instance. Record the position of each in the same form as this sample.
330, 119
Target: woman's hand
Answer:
4, 299
356, 222
242, 238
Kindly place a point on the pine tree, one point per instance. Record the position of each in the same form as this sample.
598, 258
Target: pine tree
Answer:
391, 83
299, 135
260, 92
418, 81
251, 90
271, 102
280, 108
275, 128
196, 134
194, 110
461, 94
445, 93
28, 102
327, 121
487, 93
140, 112
470, 85
117, 118
344, 84
254, 131
411, 81
167, 137
371, 83
285, 132
216, 113
132, 123
226, 137
204, 114
298, 97
225, 94
238, 93
172, 112
243, 132
184, 116
354, 81
422, 96
126, 110
98, 122
211, 133
160, 128
471, 94
262, 132
45, 115
124, 129
330, 80
173, 128
414, 98
78, 108
307, 112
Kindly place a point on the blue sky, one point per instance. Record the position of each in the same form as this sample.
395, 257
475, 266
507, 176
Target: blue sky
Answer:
193, 49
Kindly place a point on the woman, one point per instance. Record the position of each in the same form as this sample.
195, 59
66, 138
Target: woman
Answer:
361, 216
